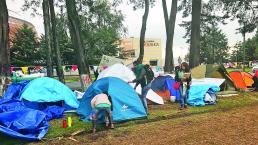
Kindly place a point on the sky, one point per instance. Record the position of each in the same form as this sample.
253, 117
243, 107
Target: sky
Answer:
133, 21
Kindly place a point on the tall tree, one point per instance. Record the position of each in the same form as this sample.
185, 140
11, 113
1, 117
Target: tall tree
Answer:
24, 50
146, 5
4, 46
59, 69
4, 39
46, 16
195, 33
76, 36
170, 27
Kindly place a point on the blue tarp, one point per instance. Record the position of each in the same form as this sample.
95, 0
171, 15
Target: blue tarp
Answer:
14, 90
169, 84
20, 122
126, 103
197, 94
49, 90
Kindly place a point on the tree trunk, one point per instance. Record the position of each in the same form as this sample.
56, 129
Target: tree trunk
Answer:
4, 47
46, 16
143, 30
195, 33
59, 69
75, 32
170, 27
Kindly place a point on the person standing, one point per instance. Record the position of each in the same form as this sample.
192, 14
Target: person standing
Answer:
183, 77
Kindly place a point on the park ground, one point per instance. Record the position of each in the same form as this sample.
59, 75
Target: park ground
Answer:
234, 120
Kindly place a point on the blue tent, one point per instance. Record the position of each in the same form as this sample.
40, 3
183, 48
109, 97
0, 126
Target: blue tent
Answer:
197, 94
169, 84
158, 84
42, 90
20, 122
125, 102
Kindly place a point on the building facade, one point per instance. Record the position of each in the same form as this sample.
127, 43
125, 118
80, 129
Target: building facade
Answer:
130, 49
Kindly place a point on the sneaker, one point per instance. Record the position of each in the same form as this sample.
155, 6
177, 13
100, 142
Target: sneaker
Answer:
94, 130
185, 106
112, 126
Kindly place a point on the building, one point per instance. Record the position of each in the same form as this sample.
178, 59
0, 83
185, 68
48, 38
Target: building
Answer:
16, 23
130, 49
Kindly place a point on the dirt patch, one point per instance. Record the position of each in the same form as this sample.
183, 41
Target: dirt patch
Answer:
238, 126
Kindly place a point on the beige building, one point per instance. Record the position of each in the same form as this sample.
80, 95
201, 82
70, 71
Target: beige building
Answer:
130, 48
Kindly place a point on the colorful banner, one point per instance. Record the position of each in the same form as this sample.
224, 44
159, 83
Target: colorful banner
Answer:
25, 70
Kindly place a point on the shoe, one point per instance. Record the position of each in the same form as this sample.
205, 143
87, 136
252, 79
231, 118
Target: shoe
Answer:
94, 130
107, 124
185, 106
181, 108
112, 126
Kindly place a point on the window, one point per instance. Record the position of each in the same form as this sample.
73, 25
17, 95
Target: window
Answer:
153, 62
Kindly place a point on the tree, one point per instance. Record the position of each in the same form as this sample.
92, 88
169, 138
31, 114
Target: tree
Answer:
146, 5
46, 16
4, 37
59, 69
170, 27
102, 28
213, 46
24, 51
76, 36
195, 33
4, 46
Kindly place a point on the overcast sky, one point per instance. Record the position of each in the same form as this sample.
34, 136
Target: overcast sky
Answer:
133, 20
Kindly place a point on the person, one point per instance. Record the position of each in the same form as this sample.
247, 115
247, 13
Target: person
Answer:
141, 75
96, 73
149, 73
101, 104
183, 77
255, 78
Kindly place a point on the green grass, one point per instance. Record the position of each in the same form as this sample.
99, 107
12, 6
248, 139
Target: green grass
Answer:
157, 113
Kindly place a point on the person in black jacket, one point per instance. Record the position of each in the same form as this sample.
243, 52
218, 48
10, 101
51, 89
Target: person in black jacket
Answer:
183, 77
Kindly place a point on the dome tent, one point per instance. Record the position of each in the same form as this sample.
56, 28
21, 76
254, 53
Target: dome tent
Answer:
47, 90
126, 103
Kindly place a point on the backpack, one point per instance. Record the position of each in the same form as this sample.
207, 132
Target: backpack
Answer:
149, 74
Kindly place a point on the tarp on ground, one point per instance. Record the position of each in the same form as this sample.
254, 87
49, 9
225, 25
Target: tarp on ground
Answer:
126, 103
20, 122
198, 92
49, 90
14, 90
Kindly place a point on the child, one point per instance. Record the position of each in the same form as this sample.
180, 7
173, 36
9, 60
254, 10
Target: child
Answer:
100, 103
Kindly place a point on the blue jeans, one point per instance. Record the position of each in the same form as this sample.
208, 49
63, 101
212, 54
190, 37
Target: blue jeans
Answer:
97, 111
143, 96
183, 96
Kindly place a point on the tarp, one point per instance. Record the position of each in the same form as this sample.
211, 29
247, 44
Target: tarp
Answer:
126, 103
14, 90
49, 90
20, 122
198, 92
208, 81
154, 97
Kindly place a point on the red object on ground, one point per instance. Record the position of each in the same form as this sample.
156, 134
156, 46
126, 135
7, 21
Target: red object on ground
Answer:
64, 124
256, 73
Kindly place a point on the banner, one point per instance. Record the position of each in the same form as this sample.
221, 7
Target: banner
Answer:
109, 60
86, 80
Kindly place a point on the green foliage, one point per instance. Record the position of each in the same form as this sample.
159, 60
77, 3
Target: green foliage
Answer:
25, 51
102, 27
214, 47
139, 4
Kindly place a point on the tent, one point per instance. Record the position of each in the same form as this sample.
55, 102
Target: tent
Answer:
48, 90
198, 92
242, 80
14, 90
126, 104
122, 72
20, 122
213, 71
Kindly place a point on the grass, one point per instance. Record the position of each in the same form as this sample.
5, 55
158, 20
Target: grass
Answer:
157, 113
